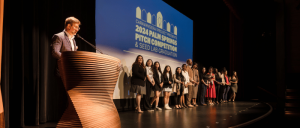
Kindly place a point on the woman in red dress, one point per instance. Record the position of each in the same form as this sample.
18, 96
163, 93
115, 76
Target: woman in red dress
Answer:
211, 92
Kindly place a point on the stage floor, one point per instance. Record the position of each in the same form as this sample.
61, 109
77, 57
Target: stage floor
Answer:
216, 116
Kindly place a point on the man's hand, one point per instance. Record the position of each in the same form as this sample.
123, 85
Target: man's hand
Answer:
193, 81
170, 82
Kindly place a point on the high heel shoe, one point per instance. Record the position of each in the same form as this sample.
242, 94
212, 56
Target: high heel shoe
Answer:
179, 107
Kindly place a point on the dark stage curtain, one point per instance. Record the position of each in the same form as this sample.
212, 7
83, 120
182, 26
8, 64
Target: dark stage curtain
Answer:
236, 51
32, 94
236, 31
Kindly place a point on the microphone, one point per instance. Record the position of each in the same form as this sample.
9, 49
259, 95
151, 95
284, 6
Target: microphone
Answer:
77, 36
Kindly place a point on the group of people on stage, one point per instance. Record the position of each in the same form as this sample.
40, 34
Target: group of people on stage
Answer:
186, 83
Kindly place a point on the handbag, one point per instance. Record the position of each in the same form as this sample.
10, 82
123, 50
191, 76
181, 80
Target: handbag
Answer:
186, 90
178, 89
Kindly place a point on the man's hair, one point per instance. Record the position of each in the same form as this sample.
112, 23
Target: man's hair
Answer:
188, 60
71, 20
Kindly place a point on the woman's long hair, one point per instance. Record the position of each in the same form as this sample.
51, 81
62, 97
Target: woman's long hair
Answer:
179, 75
224, 72
136, 61
154, 69
215, 70
210, 68
202, 70
165, 72
195, 64
234, 75
151, 63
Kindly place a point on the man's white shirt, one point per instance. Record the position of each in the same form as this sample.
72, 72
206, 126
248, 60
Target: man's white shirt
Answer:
71, 38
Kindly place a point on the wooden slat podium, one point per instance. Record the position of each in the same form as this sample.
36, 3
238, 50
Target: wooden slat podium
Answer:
89, 79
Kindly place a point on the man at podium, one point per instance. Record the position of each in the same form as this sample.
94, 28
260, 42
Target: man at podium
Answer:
64, 41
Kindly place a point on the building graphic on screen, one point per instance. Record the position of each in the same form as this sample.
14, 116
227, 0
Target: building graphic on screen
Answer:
156, 20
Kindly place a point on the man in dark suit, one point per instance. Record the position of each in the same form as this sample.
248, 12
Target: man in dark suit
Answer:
64, 41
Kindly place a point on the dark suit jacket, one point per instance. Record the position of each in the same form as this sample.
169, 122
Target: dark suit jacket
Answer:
156, 78
138, 75
61, 43
166, 81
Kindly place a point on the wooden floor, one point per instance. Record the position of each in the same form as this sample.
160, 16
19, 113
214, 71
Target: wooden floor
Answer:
217, 116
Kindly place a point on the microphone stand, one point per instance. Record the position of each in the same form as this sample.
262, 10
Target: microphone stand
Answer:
120, 65
77, 35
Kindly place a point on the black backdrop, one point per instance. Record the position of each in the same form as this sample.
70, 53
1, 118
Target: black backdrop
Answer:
210, 30
31, 92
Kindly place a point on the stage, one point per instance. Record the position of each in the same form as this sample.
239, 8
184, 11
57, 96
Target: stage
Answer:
237, 113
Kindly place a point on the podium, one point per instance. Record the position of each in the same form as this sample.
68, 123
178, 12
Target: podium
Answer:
89, 79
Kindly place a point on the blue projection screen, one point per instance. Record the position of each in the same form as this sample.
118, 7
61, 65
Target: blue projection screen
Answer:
151, 28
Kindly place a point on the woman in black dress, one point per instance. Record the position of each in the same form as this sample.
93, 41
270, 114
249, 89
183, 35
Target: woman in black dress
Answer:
178, 88
159, 81
168, 81
138, 80
203, 86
